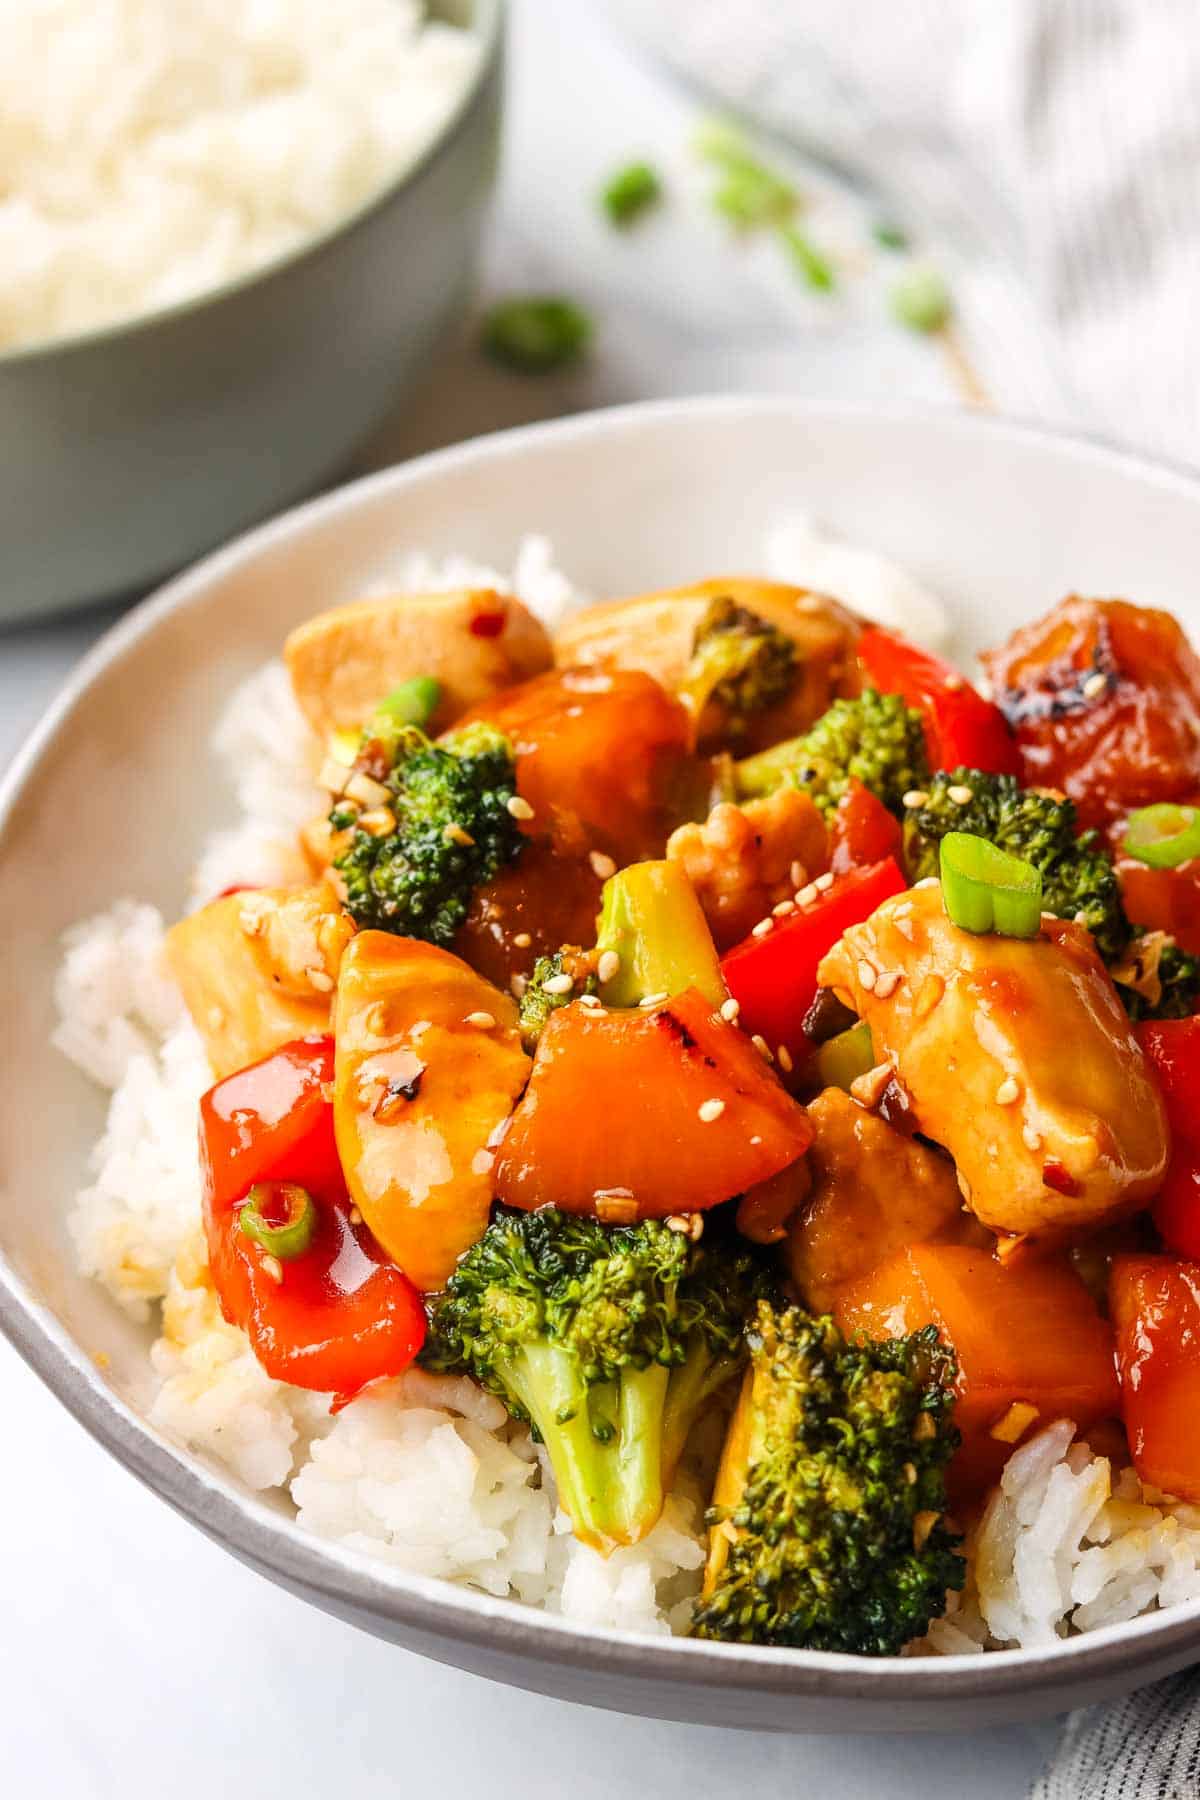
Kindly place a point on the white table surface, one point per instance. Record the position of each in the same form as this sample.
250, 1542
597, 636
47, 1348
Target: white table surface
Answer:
137, 1658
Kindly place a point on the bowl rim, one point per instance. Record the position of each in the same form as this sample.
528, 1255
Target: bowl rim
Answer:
486, 25
345, 1581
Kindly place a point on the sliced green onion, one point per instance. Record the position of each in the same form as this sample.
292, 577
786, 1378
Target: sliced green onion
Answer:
842, 1059
889, 236
536, 335
816, 269
629, 193
280, 1216
985, 889
921, 300
1163, 836
413, 702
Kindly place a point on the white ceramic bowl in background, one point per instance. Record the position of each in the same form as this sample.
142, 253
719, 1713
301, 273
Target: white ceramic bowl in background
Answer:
117, 788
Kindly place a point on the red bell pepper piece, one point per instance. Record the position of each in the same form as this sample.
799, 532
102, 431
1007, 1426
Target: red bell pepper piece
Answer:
862, 831
774, 977
1172, 1048
1163, 899
338, 1315
1155, 1307
962, 729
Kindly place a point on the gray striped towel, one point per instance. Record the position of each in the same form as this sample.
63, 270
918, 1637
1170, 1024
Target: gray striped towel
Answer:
1046, 150
1145, 1747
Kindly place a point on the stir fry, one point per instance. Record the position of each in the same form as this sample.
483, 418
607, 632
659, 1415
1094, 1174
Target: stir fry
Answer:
724, 1021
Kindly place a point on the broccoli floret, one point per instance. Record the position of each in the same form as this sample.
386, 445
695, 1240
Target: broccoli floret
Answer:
738, 661
1078, 879
1158, 980
452, 829
839, 1537
609, 1340
537, 1004
874, 738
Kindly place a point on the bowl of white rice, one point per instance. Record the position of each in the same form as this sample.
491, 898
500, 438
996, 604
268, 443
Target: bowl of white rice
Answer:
175, 763
230, 236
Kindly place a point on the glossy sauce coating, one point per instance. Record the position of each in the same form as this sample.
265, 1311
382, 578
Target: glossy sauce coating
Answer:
428, 1066
1017, 1056
1105, 700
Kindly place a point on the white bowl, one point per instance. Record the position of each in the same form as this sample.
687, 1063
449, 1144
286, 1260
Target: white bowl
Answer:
116, 790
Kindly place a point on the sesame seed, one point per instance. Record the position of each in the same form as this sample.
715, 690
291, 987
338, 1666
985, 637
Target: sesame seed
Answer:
868, 1088
522, 940
756, 1139
910, 1474
613, 1208
763, 927
761, 1045
1008, 1093
482, 1161
653, 999
866, 976
904, 925
355, 1216
482, 1021
380, 822
558, 984
518, 808
454, 834
783, 909
517, 985
602, 866
677, 1222
709, 1110
927, 881
1049, 918
593, 1002
272, 1266
366, 791
797, 874
886, 984
320, 980
1081, 918
953, 684
730, 1010
915, 797
1030, 1138
823, 883
783, 1057
961, 796
608, 965
1094, 686
807, 895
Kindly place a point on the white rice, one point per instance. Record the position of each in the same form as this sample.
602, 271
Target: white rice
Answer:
152, 149
427, 1473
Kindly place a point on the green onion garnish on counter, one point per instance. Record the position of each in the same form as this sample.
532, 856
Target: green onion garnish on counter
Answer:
535, 335
279, 1216
985, 889
1163, 836
631, 192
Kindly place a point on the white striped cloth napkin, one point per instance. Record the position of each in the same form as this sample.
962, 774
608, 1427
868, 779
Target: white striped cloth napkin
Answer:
1047, 150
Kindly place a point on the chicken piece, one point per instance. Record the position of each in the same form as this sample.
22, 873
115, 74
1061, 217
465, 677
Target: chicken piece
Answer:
743, 860
874, 1191
657, 633
474, 642
428, 1067
259, 968
1017, 1056
1104, 698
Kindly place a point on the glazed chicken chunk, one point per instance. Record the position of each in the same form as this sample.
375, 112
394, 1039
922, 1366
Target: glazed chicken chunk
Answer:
742, 860
1017, 1056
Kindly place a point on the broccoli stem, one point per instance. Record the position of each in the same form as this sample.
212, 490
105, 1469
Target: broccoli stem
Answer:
692, 1384
604, 1443
650, 917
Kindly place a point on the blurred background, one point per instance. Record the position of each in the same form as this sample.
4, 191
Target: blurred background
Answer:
953, 206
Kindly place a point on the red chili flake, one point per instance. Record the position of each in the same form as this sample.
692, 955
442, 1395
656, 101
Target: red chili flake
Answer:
1058, 1178
487, 624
